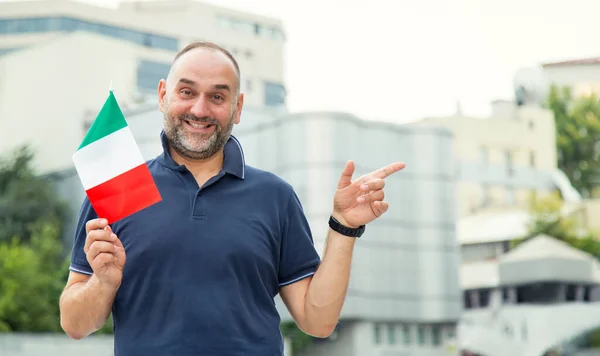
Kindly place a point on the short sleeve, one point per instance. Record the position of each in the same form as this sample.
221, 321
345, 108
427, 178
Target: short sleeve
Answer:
79, 261
299, 258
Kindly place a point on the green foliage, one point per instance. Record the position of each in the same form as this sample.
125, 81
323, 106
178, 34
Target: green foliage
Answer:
31, 279
546, 218
107, 328
299, 339
577, 138
26, 199
33, 270
594, 339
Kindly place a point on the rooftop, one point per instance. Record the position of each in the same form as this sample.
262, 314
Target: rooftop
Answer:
486, 274
492, 226
574, 62
544, 246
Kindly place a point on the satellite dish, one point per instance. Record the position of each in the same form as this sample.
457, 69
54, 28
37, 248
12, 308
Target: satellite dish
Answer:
531, 87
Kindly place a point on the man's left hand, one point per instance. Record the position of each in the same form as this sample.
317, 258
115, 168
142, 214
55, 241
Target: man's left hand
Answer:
360, 201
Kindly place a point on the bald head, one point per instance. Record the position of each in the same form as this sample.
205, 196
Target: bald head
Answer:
205, 54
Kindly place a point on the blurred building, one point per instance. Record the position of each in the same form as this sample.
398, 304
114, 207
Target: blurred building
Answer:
543, 294
58, 59
581, 75
502, 159
538, 297
51, 344
404, 295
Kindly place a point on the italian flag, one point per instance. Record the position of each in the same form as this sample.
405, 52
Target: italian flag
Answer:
111, 167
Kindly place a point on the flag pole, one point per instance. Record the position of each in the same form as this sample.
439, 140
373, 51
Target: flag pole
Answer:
110, 86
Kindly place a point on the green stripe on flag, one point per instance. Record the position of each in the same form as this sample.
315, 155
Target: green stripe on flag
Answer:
109, 119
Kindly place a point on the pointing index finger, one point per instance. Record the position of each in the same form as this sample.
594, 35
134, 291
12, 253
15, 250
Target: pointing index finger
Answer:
388, 170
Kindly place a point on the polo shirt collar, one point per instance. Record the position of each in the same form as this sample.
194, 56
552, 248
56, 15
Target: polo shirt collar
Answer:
233, 163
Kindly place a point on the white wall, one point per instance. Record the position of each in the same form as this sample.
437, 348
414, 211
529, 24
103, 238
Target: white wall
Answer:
44, 102
54, 345
14, 344
525, 330
583, 79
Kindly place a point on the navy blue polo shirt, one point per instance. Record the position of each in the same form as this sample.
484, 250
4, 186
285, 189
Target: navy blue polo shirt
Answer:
204, 265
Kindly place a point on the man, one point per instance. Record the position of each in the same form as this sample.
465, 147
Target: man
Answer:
196, 274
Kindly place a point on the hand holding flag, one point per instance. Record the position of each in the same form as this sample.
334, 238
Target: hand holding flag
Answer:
111, 167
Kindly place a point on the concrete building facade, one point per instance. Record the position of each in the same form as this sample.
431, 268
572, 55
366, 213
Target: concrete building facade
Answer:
67, 54
503, 159
535, 298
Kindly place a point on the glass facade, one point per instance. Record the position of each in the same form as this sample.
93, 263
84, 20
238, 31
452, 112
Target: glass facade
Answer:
274, 94
7, 50
69, 24
250, 27
149, 73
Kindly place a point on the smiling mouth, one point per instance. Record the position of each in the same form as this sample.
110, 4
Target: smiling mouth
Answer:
198, 125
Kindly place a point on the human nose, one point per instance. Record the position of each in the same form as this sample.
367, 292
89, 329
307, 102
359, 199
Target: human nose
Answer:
201, 107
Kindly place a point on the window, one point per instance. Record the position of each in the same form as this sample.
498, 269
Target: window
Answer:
150, 73
506, 295
484, 155
406, 334
242, 26
275, 94
486, 199
532, 159
510, 196
436, 335
249, 27
508, 161
484, 297
391, 334
421, 335
450, 332
377, 334
7, 50
467, 300
62, 23
542, 293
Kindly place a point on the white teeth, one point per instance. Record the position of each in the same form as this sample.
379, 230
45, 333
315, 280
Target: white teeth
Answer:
197, 125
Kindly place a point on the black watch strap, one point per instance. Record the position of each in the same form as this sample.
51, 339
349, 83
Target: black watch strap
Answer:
344, 230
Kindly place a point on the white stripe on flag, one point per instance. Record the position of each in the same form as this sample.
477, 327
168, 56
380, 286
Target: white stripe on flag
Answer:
107, 158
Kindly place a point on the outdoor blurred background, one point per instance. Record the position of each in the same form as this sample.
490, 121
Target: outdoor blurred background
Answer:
490, 246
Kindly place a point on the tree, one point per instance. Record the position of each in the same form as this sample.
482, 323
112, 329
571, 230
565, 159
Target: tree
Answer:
31, 279
33, 270
547, 216
298, 338
26, 199
577, 138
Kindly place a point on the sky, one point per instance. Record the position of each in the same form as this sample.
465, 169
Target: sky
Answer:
400, 61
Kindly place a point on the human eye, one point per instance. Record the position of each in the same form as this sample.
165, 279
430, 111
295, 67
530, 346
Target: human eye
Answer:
218, 97
185, 92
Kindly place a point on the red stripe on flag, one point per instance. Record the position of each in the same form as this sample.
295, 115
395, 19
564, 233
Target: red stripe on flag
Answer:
125, 194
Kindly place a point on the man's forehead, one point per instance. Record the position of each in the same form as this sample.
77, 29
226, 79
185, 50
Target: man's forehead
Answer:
204, 61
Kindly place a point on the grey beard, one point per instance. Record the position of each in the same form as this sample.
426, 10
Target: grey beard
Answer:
177, 138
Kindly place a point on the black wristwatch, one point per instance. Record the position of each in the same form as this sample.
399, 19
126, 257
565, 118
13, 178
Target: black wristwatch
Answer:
345, 230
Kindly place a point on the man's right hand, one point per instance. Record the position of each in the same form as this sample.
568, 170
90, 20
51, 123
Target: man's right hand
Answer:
105, 253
